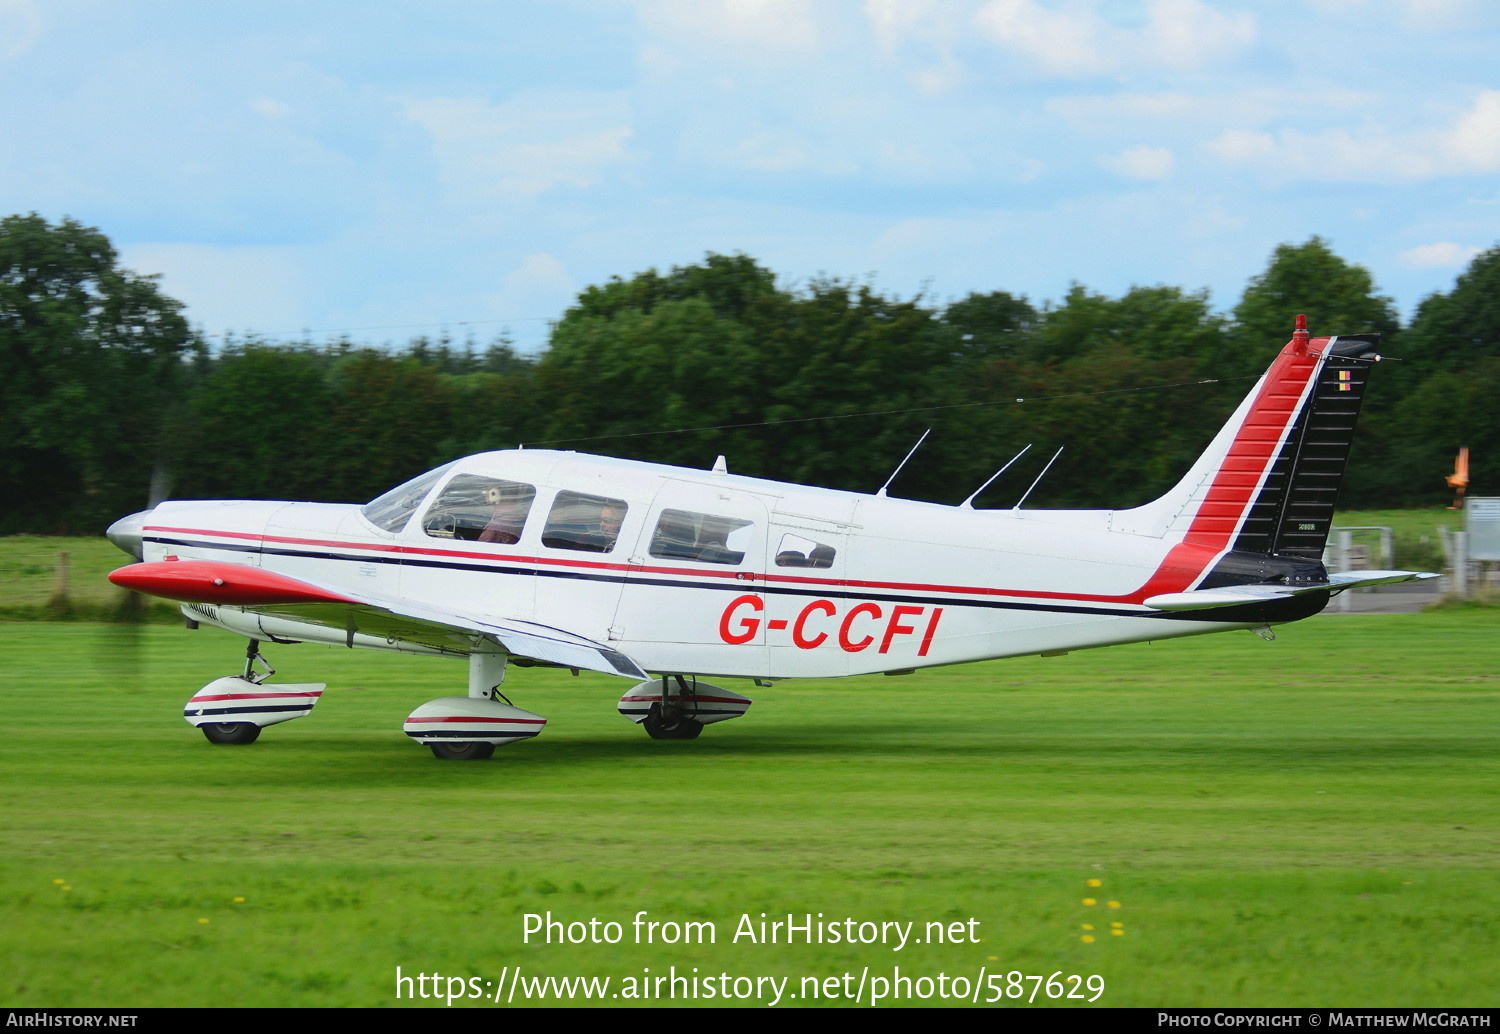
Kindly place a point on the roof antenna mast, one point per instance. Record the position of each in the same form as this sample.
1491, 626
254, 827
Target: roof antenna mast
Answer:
881, 494
968, 504
1039, 477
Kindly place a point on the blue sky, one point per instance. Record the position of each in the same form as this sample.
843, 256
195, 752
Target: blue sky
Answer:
389, 169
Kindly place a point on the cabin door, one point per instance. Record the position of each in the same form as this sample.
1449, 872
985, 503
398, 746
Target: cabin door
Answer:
691, 598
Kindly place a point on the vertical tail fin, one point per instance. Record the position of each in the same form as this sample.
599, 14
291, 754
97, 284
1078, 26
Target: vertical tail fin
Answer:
1268, 482
1292, 513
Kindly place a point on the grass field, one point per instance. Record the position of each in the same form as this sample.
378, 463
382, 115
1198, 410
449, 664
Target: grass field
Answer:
1307, 822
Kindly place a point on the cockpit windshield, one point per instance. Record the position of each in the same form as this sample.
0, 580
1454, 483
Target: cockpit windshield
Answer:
392, 510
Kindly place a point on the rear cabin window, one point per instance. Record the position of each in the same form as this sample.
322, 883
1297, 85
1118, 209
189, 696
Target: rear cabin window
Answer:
480, 509
708, 539
590, 523
796, 551
393, 509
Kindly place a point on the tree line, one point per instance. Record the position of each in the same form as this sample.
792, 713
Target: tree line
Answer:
108, 397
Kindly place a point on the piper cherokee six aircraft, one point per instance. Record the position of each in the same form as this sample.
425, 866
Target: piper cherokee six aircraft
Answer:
663, 574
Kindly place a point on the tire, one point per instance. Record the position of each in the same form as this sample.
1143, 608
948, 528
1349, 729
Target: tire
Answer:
682, 728
231, 732
471, 750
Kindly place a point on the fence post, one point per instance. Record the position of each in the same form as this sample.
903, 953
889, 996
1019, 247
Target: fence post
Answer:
59, 603
1344, 602
1461, 564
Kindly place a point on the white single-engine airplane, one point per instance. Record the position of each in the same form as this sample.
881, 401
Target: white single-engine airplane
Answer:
663, 574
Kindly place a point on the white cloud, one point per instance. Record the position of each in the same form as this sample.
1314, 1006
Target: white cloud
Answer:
1140, 163
768, 152
1243, 108
1371, 153
1474, 143
540, 286
1066, 41
766, 25
254, 287
527, 145
1442, 255
1435, 15
1076, 40
923, 32
20, 27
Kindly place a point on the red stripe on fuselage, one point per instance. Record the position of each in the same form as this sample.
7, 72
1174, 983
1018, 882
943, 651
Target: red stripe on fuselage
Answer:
256, 696
472, 718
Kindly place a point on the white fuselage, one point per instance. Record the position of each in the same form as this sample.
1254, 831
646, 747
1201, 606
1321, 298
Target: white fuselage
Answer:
802, 583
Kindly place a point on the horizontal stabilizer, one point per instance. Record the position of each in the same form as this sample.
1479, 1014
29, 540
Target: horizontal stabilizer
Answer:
1237, 595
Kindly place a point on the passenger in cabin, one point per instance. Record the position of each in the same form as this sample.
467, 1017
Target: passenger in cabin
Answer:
508, 518
586, 522
674, 538
610, 519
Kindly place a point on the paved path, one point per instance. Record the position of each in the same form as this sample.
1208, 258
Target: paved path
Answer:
1401, 598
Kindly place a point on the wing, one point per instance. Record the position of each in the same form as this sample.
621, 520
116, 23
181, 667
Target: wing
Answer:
351, 611
1234, 595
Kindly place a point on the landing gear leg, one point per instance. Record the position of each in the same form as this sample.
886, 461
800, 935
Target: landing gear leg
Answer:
239, 733
670, 718
235, 708
470, 728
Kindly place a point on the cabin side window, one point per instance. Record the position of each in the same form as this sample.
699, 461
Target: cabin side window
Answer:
480, 509
706, 538
796, 551
585, 522
391, 510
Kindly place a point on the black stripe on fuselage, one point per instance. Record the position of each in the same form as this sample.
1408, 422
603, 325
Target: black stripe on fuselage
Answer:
1268, 612
195, 712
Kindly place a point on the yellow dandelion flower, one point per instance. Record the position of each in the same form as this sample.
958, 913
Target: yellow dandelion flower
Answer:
992, 958
1096, 883
1088, 926
1089, 901
1087, 938
202, 920
239, 901
59, 882
1114, 904
1117, 933
1118, 926
65, 887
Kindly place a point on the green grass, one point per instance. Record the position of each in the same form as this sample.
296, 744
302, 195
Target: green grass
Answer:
1308, 822
32, 569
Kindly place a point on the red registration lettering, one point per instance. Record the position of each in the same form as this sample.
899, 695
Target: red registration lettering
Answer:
844, 641
748, 626
742, 620
799, 628
895, 627
937, 612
